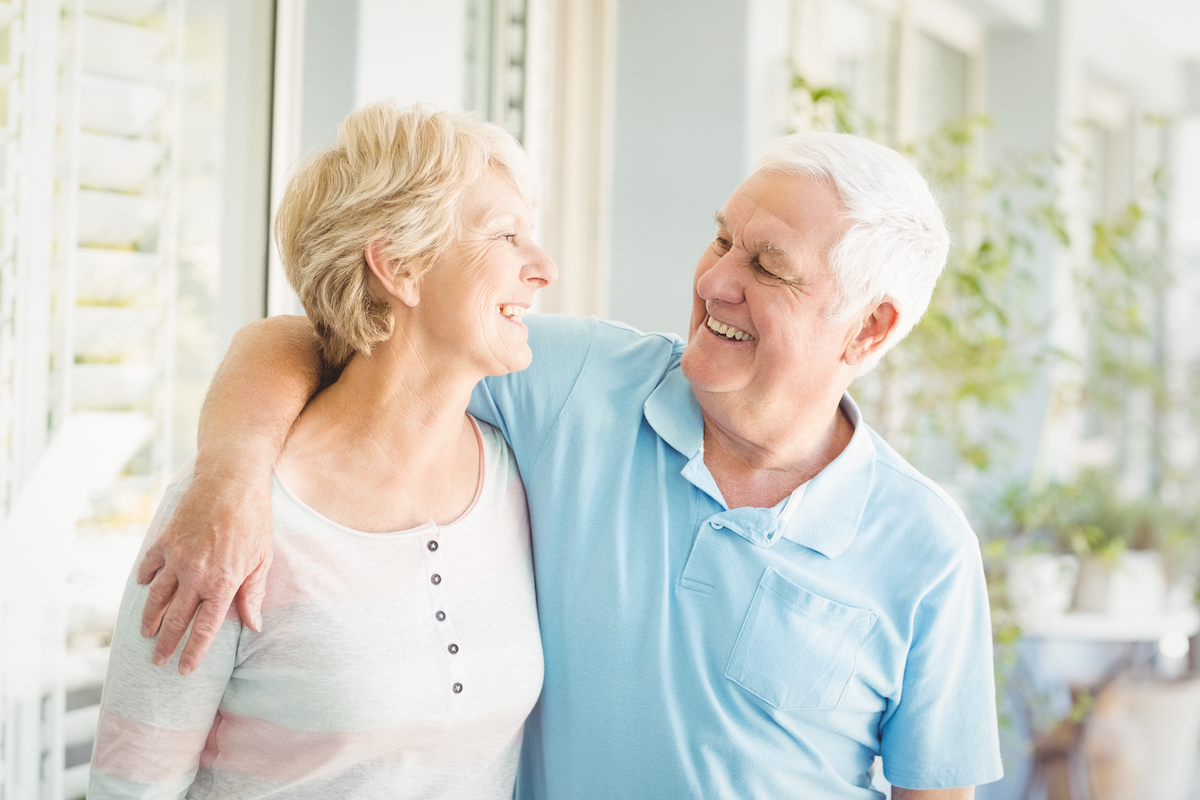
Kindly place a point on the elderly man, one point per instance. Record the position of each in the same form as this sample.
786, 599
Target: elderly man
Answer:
743, 591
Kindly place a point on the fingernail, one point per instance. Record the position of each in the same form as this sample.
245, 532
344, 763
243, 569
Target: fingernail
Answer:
258, 623
186, 670
146, 631
157, 660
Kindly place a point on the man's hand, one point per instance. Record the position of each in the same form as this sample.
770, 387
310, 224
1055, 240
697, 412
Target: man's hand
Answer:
217, 546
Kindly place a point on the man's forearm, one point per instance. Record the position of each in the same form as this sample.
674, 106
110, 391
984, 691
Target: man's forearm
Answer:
272, 368
219, 538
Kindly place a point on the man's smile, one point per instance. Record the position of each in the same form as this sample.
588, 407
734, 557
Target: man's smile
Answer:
728, 331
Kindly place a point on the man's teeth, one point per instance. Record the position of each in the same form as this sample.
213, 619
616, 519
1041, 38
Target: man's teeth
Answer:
511, 311
728, 331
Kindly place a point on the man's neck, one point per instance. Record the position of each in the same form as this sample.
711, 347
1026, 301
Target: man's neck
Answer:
761, 467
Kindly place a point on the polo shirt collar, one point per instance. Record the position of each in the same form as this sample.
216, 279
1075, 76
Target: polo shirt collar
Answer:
827, 513
674, 412
832, 506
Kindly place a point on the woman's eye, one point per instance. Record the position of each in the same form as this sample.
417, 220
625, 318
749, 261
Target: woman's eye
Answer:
511, 238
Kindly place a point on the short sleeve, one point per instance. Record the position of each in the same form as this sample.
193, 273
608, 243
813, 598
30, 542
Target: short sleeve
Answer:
153, 721
524, 405
943, 731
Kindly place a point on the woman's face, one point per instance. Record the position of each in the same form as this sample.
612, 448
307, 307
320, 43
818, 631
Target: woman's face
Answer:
474, 297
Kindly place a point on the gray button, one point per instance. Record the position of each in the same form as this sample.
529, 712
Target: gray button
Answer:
432, 546
435, 579
453, 649
457, 688
441, 616
716, 525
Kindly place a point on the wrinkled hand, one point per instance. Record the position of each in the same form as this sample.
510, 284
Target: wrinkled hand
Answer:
216, 547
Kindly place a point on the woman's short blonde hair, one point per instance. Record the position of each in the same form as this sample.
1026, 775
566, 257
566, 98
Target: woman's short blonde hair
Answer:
395, 174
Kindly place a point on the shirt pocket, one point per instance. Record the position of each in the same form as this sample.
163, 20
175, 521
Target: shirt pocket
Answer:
797, 649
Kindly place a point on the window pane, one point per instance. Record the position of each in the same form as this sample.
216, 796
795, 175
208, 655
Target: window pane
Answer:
859, 53
942, 85
164, 257
495, 62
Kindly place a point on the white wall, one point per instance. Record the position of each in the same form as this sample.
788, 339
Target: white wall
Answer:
768, 75
330, 33
679, 148
1116, 47
411, 51
1185, 168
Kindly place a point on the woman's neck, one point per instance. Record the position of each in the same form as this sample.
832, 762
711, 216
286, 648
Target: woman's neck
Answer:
388, 446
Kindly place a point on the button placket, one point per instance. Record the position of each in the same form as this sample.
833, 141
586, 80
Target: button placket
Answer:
443, 620
757, 526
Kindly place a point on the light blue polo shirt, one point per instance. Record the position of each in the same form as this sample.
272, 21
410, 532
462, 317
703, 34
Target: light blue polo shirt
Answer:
694, 650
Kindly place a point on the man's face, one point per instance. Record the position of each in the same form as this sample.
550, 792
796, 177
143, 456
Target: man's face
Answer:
765, 282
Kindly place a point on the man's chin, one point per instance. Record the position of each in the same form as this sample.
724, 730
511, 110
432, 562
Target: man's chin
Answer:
694, 367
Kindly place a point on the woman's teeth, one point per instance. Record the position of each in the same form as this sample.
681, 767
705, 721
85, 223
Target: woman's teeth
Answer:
728, 331
511, 311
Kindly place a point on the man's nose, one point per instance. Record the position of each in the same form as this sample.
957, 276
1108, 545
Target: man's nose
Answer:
723, 281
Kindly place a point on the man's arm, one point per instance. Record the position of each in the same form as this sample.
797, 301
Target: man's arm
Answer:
942, 731
962, 793
219, 538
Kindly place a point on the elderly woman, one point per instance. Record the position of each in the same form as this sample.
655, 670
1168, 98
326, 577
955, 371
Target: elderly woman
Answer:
399, 651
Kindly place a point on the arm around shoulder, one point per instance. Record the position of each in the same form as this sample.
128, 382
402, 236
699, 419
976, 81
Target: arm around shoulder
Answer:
272, 368
217, 544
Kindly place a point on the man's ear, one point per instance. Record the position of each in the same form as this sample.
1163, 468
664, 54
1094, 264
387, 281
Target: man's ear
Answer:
391, 276
878, 323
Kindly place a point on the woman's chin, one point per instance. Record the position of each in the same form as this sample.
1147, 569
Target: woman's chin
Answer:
514, 361
522, 363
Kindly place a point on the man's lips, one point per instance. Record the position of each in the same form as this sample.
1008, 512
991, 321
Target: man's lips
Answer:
728, 331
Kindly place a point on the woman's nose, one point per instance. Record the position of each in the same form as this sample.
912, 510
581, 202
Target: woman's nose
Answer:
541, 268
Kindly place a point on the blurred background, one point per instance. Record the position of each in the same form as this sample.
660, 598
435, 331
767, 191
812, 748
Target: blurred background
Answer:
1053, 388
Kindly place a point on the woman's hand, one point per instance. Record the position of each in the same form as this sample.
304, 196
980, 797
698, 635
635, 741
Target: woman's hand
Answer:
215, 548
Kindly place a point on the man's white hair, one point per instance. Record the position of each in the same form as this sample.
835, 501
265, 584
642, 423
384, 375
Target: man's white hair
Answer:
897, 243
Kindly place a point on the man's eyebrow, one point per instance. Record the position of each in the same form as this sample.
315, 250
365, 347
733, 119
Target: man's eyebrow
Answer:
770, 252
719, 218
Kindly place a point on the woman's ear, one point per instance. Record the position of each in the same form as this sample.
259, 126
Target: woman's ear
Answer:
878, 323
391, 275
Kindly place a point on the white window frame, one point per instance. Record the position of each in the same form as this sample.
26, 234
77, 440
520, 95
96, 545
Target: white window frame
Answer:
943, 20
570, 85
